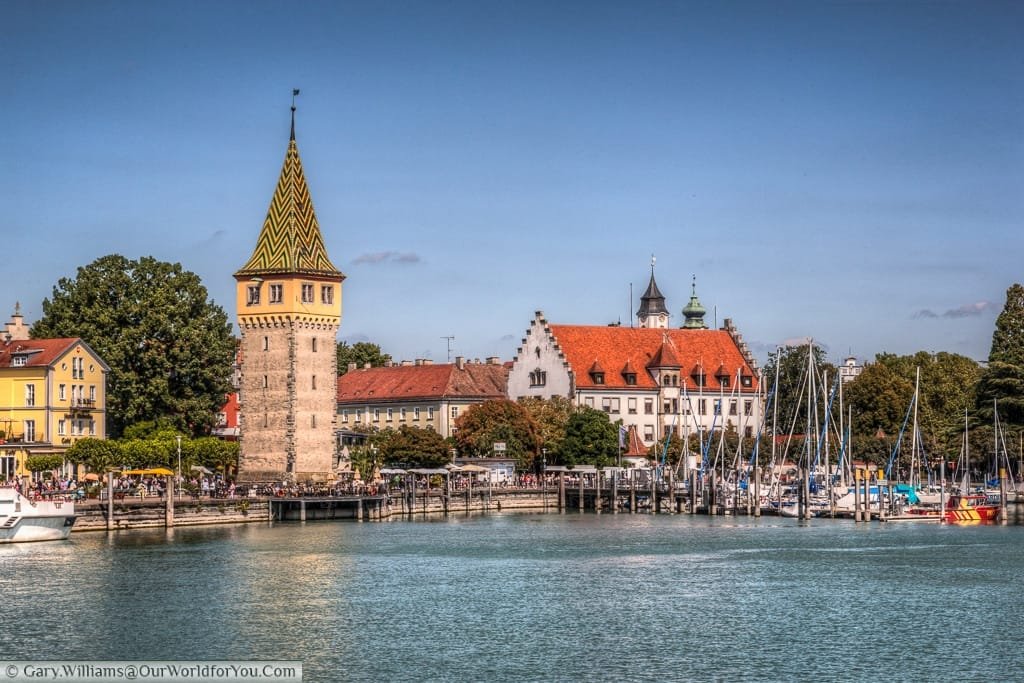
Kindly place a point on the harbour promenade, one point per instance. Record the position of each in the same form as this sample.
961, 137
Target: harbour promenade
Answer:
408, 500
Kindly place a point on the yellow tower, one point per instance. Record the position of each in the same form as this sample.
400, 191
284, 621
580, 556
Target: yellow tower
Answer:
289, 312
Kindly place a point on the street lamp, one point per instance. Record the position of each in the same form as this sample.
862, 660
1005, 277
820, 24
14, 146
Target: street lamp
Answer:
179, 465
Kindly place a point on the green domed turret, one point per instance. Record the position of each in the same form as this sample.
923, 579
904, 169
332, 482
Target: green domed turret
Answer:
694, 312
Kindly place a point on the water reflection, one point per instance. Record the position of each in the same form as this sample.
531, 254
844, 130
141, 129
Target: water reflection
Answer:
530, 597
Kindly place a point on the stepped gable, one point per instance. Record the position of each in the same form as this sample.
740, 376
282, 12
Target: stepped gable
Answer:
407, 382
290, 241
41, 352
614, 346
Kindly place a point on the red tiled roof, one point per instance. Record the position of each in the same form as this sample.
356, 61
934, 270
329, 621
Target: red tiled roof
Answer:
42, 352
666, 356
615, 346
408, 382
636, 446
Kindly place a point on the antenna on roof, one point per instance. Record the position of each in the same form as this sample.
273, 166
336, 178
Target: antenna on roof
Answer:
450, 339
629, 311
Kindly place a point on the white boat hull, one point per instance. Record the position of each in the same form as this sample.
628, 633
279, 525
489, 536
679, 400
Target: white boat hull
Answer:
22, 520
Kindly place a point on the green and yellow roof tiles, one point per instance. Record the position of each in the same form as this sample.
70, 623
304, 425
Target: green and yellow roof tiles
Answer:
290, 241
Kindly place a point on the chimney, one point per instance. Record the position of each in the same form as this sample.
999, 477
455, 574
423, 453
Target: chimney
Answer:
418, 362
427, 361
460, 362
406, 363
367, 365
492, 360
351, 366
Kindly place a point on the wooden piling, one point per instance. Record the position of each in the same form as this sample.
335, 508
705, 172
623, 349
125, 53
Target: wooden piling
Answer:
757, 491
1002, 496
856, 495
110, 500
561, 491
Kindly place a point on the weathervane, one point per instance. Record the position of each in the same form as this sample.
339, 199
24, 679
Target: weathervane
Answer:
295, 91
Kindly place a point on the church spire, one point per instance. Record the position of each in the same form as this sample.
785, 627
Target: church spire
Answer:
290, 241
652, 311
694, 312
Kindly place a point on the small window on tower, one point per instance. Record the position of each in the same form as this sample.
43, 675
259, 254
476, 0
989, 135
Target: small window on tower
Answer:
327, 294
253, 295
307, 293
276, 293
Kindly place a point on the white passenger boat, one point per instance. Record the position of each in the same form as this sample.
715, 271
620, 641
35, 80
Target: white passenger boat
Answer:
23, 520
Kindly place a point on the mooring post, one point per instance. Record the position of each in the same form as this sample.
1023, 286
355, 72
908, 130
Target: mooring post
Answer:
757, 491
110, 500
632, 492
1002, 496
302, 508
856, 495
169, 507
561, 491
615, 491
693, 491
581, 491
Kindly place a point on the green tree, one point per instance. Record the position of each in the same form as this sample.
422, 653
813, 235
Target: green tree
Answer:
43, 463
360, 353
99, 455
552, 417
1003, 380
791, 393
878, 399
169, 349
590, 438
500, 420
413, 447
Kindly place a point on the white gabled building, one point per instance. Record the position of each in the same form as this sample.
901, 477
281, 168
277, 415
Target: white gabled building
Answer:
654, 378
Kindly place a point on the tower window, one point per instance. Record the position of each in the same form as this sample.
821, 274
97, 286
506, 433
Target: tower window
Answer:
265, 382
327, 294
312, 420
276, 294
314, 344
266, 343
253, 296
313, 385
307, 293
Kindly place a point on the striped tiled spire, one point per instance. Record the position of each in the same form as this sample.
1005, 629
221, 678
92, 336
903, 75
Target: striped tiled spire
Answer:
290, 241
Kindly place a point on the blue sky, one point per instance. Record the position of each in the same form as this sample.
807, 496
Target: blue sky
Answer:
850, 171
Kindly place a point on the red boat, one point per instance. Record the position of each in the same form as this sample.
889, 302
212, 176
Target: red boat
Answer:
971, 508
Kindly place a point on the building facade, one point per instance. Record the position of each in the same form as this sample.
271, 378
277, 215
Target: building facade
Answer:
656, 380
52, 393
289, 312
417, 394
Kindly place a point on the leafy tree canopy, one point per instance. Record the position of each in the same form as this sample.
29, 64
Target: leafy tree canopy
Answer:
1002, 381
791, 364
552, 417
169, 349
413, 447
360, 353
590, 438
500, 420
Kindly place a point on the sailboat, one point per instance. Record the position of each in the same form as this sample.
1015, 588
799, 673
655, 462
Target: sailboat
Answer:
965, 506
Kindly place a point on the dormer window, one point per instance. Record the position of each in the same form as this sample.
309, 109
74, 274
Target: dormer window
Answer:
598, 377
724, 380
19, 361
698, 376
747, 380
630, 378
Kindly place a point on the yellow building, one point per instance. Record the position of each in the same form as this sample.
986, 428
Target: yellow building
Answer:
52, 393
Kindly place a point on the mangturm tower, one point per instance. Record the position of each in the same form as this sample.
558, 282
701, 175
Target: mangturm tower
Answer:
289, 311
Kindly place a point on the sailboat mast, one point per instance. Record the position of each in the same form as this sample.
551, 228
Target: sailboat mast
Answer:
913, 439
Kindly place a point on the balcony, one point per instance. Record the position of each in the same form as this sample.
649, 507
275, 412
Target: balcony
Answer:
83, 405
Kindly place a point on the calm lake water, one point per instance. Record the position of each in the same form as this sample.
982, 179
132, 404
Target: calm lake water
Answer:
532, 597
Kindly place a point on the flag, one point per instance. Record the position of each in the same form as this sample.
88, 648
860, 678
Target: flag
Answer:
622, 435
295, 91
